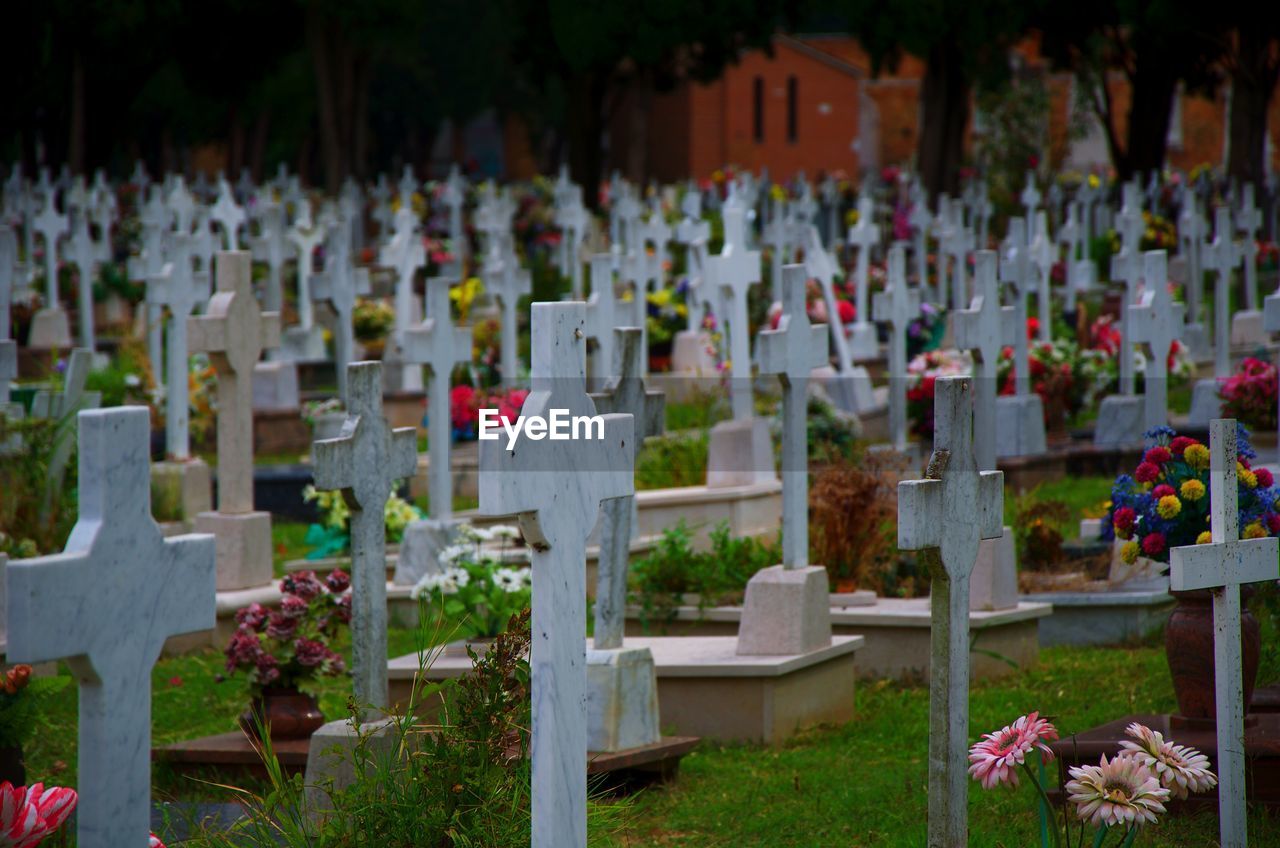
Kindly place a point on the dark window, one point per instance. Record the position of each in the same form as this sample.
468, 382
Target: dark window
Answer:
757, 95
792, 85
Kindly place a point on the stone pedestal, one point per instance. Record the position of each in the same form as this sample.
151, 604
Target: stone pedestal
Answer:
1196, 339
275, 386
243, 547
850, 391
740, 453
331, 762
1120, 421
786, 611
1019, 426
622, 699
691, 356
181, 488
420, 549
863, 342
299, 344
994, 583
50, 328
1247, 329
1205, 403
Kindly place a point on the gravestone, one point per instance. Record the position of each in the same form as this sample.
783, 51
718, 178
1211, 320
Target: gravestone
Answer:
959, 240
454, 196
1019, 418
897, 306
921, 221
1221, 256
50, 326
1042, 256
304, 341
270, 246
155, 219
1192, 232
945, 516
233, 332
8, 346
865, 235
364, 463
1222, 567
849, 384
405, 254
574, 222
555, 488
787, 609
1156, 322
984, 329
1247, 324
507, 282
83, 606
339, 285
228, 215
82, 253
604, 313
1031, 197
691, 350
1121, 416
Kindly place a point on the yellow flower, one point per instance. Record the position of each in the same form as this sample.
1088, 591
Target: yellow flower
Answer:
1094, 182
1204, 538
1254, 531
1169, 506
1129, 552
1249, 479
1197, 456
777, 192
1192, 490
851, 217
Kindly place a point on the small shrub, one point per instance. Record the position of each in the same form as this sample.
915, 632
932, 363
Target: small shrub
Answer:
1038, 532
675, 460
852, 517
1250, 395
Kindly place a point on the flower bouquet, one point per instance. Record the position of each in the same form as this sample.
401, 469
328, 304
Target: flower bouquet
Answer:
922, 372
331, 536
466, 402
1056, 375
1250, 395
371, 321
476, 593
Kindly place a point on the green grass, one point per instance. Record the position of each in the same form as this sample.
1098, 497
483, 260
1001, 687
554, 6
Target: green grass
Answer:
1080, 494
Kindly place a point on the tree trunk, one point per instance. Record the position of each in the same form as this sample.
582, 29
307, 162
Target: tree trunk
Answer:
638, 129
360, 118
944, 98
326, 98
585, 120
1155, 81
1252, 80
76, 134
235, 144
258, 150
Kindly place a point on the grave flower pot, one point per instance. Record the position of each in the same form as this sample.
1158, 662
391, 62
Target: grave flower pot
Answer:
287, 713
1188, 644
12, 766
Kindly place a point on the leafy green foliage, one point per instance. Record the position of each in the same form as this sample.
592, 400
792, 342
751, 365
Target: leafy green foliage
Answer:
679, 459
22, 712
36, 514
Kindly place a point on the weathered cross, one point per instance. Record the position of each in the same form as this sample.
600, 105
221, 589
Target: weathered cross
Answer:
1223, 566
439, 345
52, 227
83, 253
1015, 269
555, 487
735, 270
1125, 266
181, 206
305, 237
920, 220
1042, 256
1192, 230
1031, 196
228, 215
234, 331
958, 242
181, 289
270, 246
624, 393
573, 220
604, 313
106, 605
365, 462
454, 197
508, 282
792, 351
945, 517
1248, 222
1221, 256
1156, 321
61, 406
864, 236
694, 232
984, 329
339, 284
897, 306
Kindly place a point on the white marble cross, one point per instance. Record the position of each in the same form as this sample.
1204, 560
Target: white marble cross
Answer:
920, 221
83, 253
102, 209
234, 331
1042, 255
106, 605
181, 289
864, 235
777, 235
270, 246
984, 329
1156, 321
439, 345
508, 282
1031, 197
735, 270
1223, 566
228, 215
1221, 256
555, 487
408, 185
694, 232
897, 306
1192, 230
181, 206
1015, 269
959, 240
945, 517
604, 313
61, 406
339, 284
1248, 222
8, 347
365, 462
792, 351
573, 220
624, 393
454, 196
305, 237
52, 227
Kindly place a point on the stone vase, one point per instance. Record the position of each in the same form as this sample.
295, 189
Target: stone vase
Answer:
13, 768
1188, 644
286, 712
1055, 418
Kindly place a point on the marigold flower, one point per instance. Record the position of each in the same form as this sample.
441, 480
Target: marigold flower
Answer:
1179, 768
1120, 792
1197, 456
1147, 472
1168, 506
1191, 490
1205, 538
1249, 479
1254, 531
1157, 455
1153, 544
1129, 552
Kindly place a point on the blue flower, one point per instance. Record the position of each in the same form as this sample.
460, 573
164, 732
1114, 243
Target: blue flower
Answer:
1160, 435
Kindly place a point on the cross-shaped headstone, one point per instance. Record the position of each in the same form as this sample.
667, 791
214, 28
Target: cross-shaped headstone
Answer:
1221, 256
408, 186
454, 197
984, 329
1249, 222
830, 192
792, 351
1069, 235
305, 238
269, 245
1222, 567
555, 487
777, 235
439, 345
945, 517
604, 313
1192, 230
1031, 197
1125, 266
139, 176
339, 284
920, 220
234, 331
1015, 269
61, 407
897, 306
102, 208
957, 243
1041, 256
735, 270
864, 235
624, 393
574, 221
982, 212
84, 255
228, 215
181, 289
83, 606
406, 254
382, 213
1157, 322
181, 206
365, 462
508, 282
52, 227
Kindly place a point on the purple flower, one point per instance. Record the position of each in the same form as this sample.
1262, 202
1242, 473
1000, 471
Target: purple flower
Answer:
243, 650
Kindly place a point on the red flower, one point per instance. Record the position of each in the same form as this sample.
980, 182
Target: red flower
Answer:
1146, 472
1161, 491
310, 653
1158, 455
1153, 544
303, 584
846, 310
1273, 523
281, 626
252, 617
1265, 478
338, 581
1180, 444
1122, 520
292, 606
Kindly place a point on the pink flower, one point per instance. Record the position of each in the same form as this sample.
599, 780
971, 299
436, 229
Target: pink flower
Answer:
281, 626
1122, 792
309, 653
1265, 478
292, 606
1163, 490
244, 649
994, 758
1157, 455
252, 617
1180, 769
28, 815
268, 668
338, 581
343, 609
303, 584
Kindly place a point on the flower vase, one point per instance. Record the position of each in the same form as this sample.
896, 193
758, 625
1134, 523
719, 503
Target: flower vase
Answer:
13, 768
1055, 418
373, 348
286, 712
1188, 643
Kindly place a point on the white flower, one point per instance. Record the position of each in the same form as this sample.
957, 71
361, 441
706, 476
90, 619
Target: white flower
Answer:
511, 579
459, 576
426, 584
504, 531
453, 553
132, 380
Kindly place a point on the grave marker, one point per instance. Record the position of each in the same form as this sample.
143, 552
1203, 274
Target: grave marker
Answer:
1155, 321
864, 236
228, 215
984, 329
83, 253
735, 270
340, 284
898, 307
180, 289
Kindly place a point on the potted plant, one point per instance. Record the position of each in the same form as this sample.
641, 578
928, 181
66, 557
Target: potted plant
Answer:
1165, 504
325, 417
1250, 395
282, 650
21, 699
371, 322
331, 535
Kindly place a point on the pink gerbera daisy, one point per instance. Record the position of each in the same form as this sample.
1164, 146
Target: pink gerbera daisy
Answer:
1180, 769
994, 758
1121, 792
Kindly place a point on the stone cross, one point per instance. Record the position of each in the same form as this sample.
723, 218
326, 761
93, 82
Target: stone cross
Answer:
982, 212
1041, 256
407, 186
777, 234
305, 237
508, 282
106, 605
604, 313
624, 393
897, 306
1157, 321
1125, 266
52, 227
864, 236
1223, 566
958, 242
735, 270
1248, 222
178, 287
340, 284
439, 345
792, 351
228, 215
84, 255
573, 220
1221, 256
1031, 196
234, 331
61, 407
920, 220
181, 206
454, 197
555, 488
103, 211
364, 462
945, 517
1192, 230
271, 247
382, 214
1069, 235
1015, 268
984, 329
694, 232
